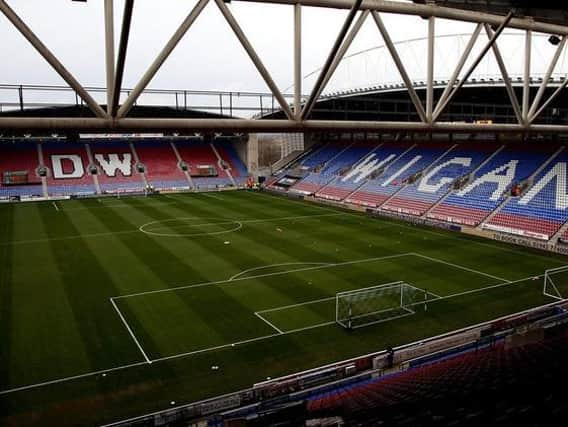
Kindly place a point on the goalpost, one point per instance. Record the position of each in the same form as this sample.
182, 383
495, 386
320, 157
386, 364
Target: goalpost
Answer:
556, 283
376, 304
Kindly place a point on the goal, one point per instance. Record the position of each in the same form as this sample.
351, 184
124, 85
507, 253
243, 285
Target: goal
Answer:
367, 306
556, 283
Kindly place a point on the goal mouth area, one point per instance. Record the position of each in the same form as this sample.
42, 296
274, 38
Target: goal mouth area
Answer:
556, 283
381, 303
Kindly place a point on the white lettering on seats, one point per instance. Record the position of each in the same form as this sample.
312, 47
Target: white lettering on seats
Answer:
366, 168
432, 188
57, 161
114, 163
561, 196
401, 171
495, 177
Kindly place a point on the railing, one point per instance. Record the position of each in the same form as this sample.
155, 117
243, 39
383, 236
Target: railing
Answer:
226, 103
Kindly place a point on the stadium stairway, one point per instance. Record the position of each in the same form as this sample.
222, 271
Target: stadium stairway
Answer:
223, 164
42, 162
179, 162
92, 162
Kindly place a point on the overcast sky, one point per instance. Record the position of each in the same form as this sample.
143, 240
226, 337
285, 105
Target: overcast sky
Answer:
209, 56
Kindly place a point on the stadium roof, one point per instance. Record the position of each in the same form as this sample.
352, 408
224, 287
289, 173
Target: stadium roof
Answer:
545, 11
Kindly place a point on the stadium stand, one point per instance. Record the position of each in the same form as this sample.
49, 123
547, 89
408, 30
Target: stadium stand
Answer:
116, 167
314, 164
376, 192
68, 165
228, 153
204, 167
491, 185
119, 166
22, 158
336, 189
540, 211
162, 170
497, 386
438, 178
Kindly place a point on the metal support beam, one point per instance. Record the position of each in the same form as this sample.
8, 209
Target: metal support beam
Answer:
109, 49
122, 49
546, 78
297, 60
162, 57
506, 79
427, 10
344, 47
459, 66
549, 100
430, 70
51, 59
318, 87
400, 66
473, 66
45, 124
527, 76
255, 58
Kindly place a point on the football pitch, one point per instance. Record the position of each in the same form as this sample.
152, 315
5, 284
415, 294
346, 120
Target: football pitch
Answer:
112, 308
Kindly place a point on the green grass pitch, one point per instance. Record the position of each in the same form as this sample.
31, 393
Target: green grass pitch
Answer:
93, 290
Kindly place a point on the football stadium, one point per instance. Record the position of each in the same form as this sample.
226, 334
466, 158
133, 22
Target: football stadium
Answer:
283, 213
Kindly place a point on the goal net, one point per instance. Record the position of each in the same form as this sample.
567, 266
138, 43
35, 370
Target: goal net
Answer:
367, 306
556, 283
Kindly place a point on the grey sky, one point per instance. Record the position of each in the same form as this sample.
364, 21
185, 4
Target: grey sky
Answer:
209, 57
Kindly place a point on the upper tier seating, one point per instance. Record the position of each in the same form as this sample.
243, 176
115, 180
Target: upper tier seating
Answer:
161, 165
542, 209
491, 185
376, 191
20, 157
68, 165
420, 196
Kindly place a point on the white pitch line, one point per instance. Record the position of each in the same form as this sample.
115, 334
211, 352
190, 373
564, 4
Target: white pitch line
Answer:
461, 267
130, 331
268, 323
55, 206
248, 270
117, 368
219, 347
136, 230
71, 378
285, 307
277, 273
